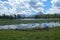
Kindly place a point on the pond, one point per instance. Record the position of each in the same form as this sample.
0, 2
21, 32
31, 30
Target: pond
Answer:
30, 25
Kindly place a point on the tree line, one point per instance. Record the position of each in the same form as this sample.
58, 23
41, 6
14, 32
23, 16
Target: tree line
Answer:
10, 16
48, 16
36, 16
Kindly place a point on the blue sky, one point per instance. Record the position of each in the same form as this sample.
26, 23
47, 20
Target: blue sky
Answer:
29, 7
47, 5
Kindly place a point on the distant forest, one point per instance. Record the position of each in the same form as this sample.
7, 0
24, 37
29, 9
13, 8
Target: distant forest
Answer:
36, 16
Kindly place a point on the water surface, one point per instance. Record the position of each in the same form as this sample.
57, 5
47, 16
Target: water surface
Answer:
30, 25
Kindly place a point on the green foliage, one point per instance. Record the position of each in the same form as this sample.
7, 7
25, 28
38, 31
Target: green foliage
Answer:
48, 16
36, 16
10, 16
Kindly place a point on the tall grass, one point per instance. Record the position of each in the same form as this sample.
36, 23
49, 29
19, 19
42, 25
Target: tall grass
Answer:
52, 34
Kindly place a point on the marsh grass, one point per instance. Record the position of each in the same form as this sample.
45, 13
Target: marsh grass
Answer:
52, 34
13, 21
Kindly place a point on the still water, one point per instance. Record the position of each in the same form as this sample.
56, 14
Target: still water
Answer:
30, 25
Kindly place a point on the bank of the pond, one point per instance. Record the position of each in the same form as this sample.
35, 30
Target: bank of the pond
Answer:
25, 21
53, 34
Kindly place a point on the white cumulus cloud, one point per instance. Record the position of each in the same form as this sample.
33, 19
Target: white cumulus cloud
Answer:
55, 7
21, 6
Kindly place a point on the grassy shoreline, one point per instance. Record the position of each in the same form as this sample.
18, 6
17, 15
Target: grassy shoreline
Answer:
52, 34
13, 21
